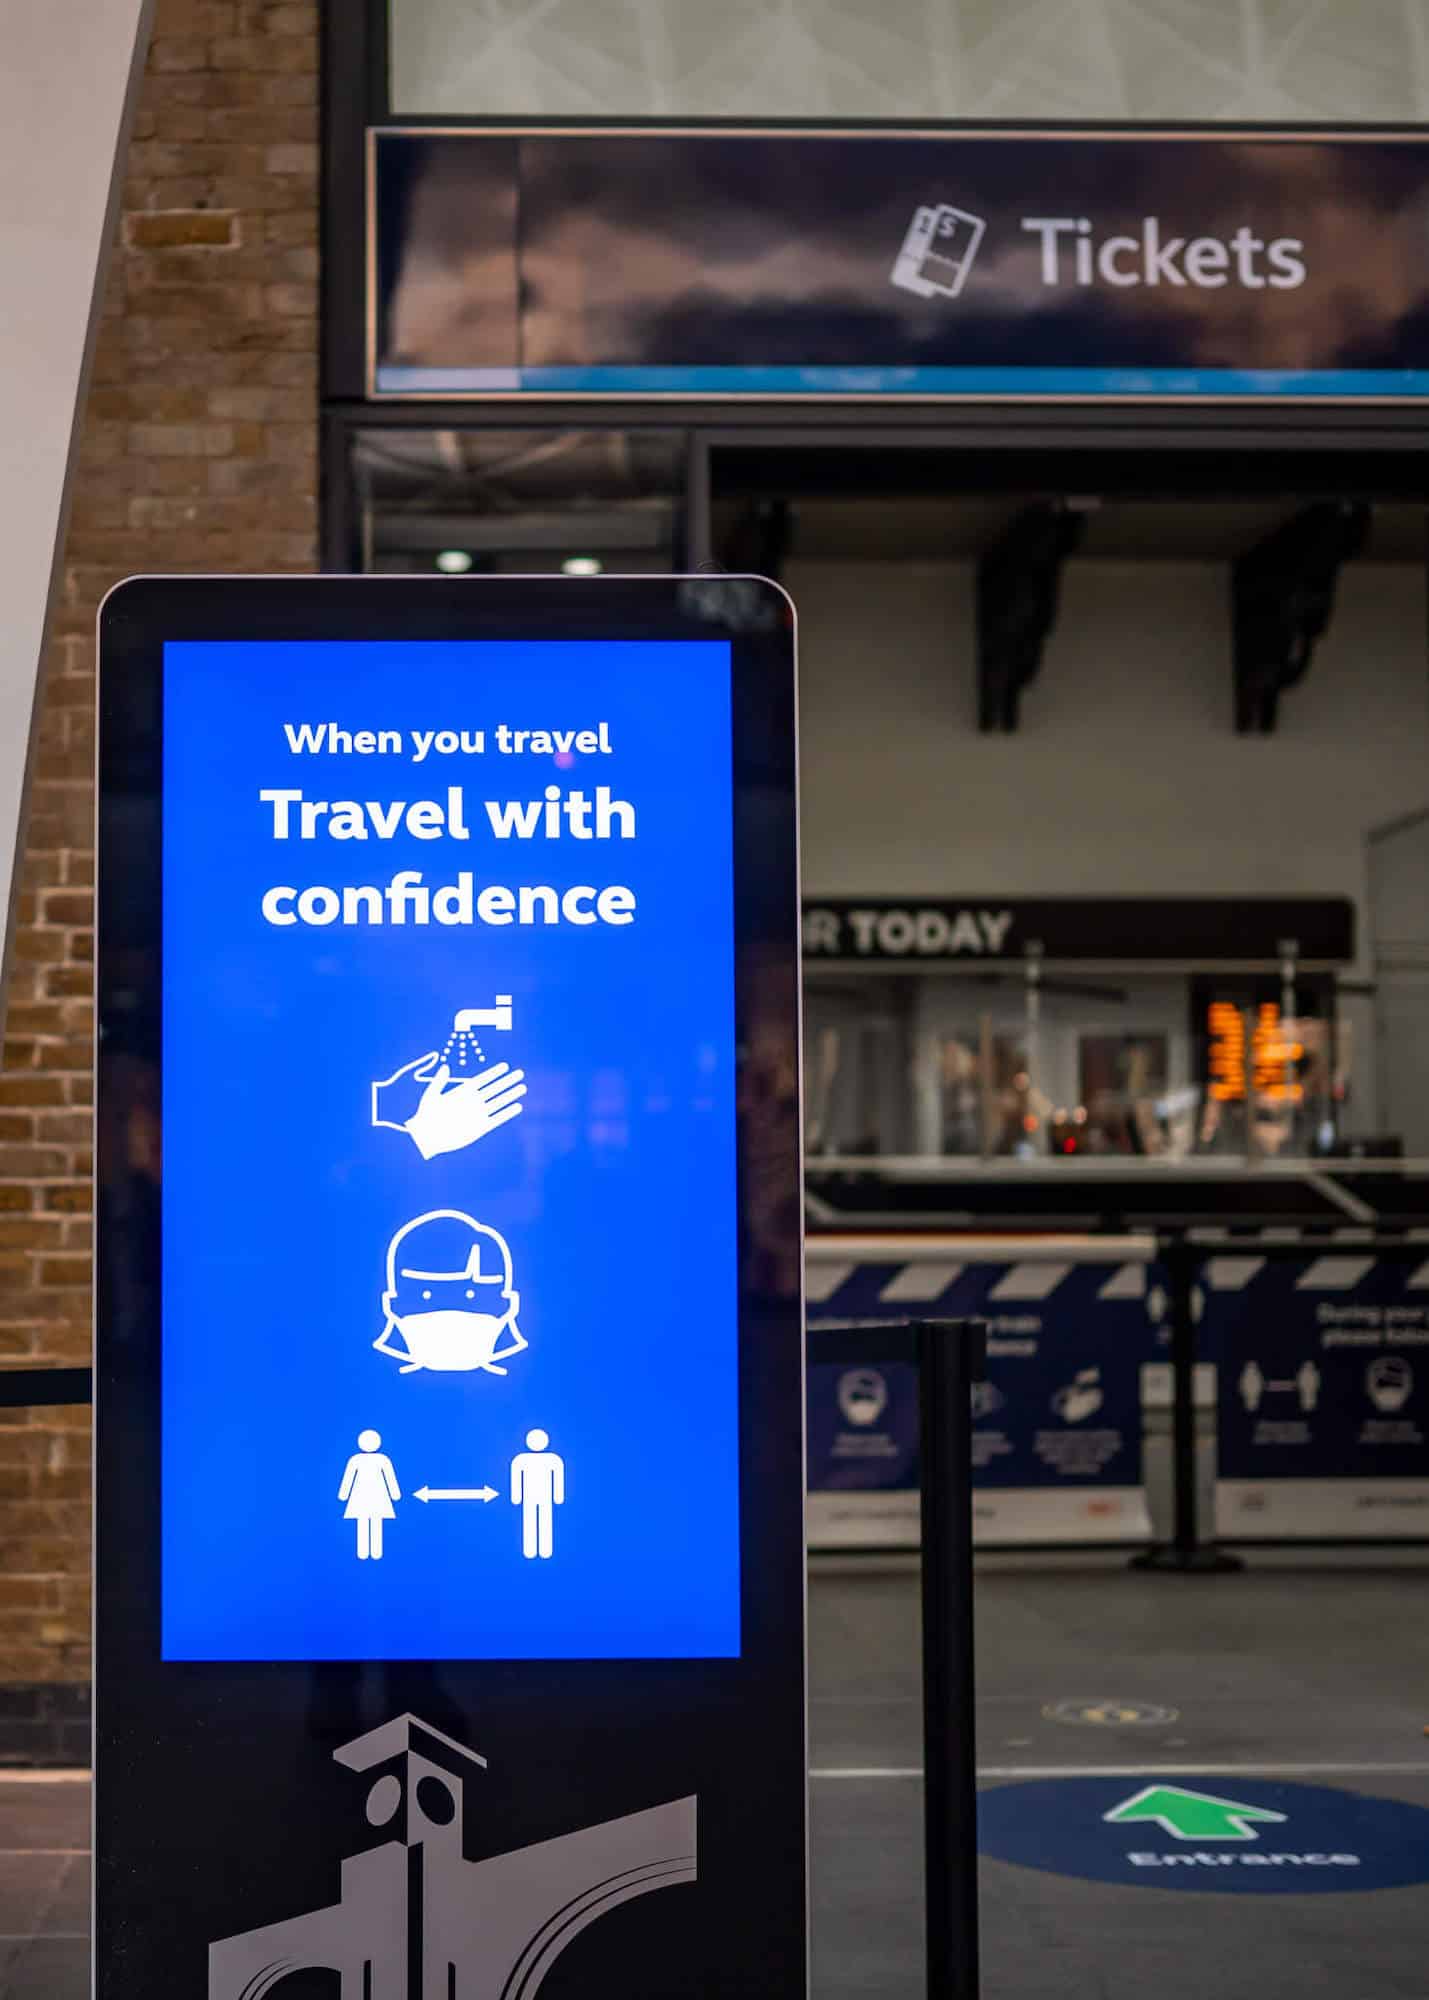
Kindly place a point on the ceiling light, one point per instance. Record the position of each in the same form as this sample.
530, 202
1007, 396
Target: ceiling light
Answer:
454, 562
582, 565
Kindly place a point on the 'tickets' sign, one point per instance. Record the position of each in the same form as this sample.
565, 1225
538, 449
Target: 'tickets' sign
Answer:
434, 958
860, 263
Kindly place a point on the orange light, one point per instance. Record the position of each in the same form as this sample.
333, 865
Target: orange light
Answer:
1227, 1063
1271, 1054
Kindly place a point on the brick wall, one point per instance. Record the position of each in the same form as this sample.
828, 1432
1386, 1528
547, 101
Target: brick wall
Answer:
198, 451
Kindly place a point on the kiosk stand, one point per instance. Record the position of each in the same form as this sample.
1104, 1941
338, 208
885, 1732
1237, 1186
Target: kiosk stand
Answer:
450, 1554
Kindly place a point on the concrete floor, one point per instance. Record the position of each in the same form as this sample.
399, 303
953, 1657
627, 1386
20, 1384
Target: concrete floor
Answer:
44, 1888
1270, 1672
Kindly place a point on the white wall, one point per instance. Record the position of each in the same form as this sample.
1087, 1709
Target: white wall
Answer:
1127, 777
1399, 892
66, 87
1225, 60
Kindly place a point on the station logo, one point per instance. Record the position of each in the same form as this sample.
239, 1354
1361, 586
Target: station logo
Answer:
415, 1916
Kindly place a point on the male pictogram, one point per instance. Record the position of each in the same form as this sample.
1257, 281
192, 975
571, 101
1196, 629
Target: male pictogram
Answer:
538, 1488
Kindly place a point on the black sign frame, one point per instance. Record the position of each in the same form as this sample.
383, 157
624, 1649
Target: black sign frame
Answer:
960, 933
1151, 364
223, 1799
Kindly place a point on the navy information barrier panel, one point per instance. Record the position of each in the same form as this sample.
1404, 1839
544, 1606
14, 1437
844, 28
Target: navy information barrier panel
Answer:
450, 1547
861, 263
1323, 1390
1057, 1419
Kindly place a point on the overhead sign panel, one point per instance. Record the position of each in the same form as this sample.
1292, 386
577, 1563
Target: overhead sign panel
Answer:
1203, 930
448, 943
918, 264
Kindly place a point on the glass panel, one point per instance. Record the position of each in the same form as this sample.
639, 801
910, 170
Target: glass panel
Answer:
904, 59
1122, 1104
522, 502
856, 1062
998, 1065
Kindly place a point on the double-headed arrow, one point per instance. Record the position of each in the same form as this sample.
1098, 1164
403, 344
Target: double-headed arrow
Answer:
1192, 1815
456, 1493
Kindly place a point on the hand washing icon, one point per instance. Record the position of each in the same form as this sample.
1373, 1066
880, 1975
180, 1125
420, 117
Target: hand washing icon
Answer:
446, 1100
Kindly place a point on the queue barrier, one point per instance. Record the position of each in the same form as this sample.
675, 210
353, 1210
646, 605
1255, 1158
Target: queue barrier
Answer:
1072, 1323
950, 1357
1201, 1266
1314, 1347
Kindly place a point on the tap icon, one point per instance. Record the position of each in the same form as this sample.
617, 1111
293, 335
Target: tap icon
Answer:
498, 1015
452, 1096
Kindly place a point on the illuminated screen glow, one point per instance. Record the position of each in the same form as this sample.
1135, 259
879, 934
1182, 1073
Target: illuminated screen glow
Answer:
449, 1233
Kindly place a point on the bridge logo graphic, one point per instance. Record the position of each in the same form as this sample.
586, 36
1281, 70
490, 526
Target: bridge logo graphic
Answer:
415, 1920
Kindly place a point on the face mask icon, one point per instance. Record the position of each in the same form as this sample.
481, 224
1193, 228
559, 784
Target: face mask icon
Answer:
863, 1396
450, 1303
1388, 1382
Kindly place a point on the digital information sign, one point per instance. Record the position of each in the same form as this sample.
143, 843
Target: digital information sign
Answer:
449, 1387
449, 1151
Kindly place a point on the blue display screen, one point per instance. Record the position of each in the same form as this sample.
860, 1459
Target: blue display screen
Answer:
449, 1235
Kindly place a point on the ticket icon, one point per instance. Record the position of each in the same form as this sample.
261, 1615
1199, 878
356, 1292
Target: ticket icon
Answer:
937, 252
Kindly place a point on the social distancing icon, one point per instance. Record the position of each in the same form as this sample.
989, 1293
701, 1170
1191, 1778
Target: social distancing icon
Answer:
537, 1486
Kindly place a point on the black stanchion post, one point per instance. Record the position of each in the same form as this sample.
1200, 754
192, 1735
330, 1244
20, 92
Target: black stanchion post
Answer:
1185, 1551
950, 1357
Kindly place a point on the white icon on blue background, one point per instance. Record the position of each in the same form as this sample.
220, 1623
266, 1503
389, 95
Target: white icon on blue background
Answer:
450, 1303
369, 1486
1080, 1398
986, 1400
863, 1395
538, 1488
1388, 1382
1255, 1385
450, 1097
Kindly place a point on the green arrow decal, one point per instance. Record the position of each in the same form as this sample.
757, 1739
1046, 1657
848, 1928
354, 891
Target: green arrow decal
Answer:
1192, 1815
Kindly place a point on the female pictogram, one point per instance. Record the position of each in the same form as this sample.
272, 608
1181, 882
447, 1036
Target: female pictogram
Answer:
369, 1486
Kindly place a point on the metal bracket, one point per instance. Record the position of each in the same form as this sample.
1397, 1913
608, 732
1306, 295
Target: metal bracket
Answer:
1018, 580
1282, 594
757, 543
